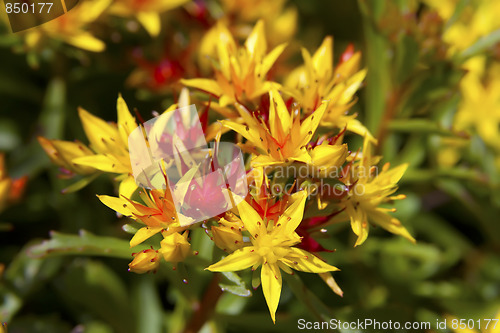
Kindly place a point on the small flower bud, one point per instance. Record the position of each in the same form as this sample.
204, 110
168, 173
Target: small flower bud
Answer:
226, 238
144, 261
175, 247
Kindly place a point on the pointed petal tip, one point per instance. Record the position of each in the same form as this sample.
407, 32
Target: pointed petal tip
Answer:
81, 110
273, 317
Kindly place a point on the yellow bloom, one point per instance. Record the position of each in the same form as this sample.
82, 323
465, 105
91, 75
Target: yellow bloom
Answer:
147, 12
272, 248
227, 235
241, 71
175, 247
62, 154
450, 151
72, 27
367, 192
280, 22
144, 261
318, 80
479, 109
445, 8
108, 148
285, 137
158, 213
477, 19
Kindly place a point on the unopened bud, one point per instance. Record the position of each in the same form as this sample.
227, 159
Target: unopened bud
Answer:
144, 261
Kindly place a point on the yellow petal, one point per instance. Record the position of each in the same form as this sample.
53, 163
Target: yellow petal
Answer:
119, 205
207, 48
359, 223
391, 224
271, 58
106, 163
308, 64
265, 160
393, 175
271, 287
293, 214
349, 67
352, 85
323, 58
62, 153
126, 123
304, 261
330, 281
284, 26
329, 155
215, 129
280, 121
310, 124
224, 46
70, 150
150, 21
91, 10
184, 99
249, 217
207, 85
264, 88
251, 135
171, 4
355, 126
256, 42
100, 133
127, 187
144, 233
86, 41
32, 38
236, 261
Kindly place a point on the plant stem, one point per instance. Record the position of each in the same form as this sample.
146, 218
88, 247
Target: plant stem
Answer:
388, 114
206, 307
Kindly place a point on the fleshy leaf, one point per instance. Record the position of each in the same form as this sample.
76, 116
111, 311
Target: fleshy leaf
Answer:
84, 243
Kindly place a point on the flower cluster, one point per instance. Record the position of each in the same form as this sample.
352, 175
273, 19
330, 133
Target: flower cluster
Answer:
479, 108
283, 121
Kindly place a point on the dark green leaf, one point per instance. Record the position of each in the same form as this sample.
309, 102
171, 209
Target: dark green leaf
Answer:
83, 244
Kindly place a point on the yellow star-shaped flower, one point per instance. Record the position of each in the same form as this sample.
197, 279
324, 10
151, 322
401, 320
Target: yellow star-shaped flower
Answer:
367, 191
241, 71
272, 248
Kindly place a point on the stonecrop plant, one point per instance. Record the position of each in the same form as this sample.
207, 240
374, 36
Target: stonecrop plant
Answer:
298, 127
283, 181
